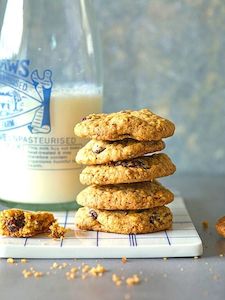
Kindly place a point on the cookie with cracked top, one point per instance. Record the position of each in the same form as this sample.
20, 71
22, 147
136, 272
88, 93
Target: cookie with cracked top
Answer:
128, 171
124, 222
102, 152
141, 125
127, 196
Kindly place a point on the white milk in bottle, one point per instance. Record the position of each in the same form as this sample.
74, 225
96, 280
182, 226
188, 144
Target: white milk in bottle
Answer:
40, 168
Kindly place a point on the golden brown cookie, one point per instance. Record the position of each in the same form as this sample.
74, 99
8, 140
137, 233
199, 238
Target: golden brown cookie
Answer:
19, 223
127, 196
220, 226
102, 152
128, 171
125, 222
141, 125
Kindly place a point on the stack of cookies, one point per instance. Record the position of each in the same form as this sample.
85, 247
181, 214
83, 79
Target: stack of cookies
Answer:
123, 195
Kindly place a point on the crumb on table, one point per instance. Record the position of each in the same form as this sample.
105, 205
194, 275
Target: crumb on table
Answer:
132, 280
97, 271
116, 279
205, 224
10, 260
124, 259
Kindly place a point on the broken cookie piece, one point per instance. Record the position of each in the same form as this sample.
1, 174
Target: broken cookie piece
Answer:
20, 223
57, 231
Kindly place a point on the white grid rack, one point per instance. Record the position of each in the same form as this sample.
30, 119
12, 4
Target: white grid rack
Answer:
181, 241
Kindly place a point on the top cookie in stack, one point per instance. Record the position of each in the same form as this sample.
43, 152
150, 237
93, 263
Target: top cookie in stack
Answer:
121, 177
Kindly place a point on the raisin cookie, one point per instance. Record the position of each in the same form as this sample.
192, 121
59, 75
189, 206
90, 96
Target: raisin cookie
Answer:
141, 125
127, 196
19, 223
102, 152
128, 171
125, 222
220, 226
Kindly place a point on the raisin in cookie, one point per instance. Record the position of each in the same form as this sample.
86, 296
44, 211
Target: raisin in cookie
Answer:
125, 222
101, 152
19, 223
127, 196
128, 171
141, 125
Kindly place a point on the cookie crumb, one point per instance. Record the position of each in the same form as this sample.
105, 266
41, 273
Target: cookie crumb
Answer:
72, 275
73, 270
54, 266
97, 271
10, 260
23, 261
221, 255
124, 259
116, 279
196, 257
132, 280
38, 274
165, 258
57, 231
205, 224
85, 268
26, 273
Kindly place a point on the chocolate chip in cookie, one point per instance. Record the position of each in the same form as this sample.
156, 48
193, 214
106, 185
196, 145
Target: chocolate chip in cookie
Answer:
16, 223
137, 163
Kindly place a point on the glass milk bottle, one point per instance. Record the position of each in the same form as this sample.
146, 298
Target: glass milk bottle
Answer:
50, 78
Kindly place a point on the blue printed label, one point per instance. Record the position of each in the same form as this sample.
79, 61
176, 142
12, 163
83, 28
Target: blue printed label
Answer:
24, 97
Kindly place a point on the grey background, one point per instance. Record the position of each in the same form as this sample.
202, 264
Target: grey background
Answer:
169, 56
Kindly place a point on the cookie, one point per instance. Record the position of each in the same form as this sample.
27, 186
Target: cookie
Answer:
125, 222
128, 171
220, 226
141, 125
127, 196
102, 152
19, 223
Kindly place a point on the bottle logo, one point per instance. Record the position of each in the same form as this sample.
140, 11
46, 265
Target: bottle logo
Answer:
24, 97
